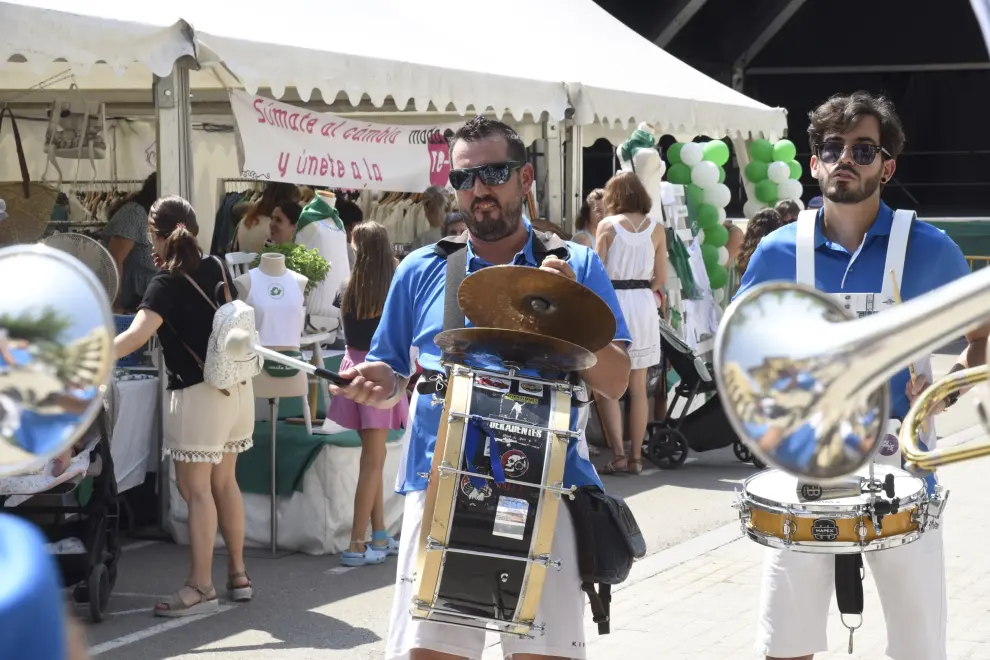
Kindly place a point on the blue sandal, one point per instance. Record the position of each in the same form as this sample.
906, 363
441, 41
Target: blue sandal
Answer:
369, 556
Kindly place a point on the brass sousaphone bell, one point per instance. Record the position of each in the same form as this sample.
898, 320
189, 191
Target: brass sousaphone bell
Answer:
805, 387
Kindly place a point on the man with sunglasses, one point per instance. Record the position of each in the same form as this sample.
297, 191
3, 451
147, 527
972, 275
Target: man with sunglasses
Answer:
849, 248
491, 178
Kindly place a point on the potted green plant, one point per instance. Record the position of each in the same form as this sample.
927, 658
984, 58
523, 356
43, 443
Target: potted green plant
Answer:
308, 263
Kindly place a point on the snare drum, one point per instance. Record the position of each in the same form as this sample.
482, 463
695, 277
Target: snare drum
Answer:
492, 501
778, 511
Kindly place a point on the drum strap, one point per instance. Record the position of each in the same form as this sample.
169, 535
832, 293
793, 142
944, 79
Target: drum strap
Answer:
849, 583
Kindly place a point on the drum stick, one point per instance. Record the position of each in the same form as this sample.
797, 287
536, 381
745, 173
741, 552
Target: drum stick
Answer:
911, 369
239, 344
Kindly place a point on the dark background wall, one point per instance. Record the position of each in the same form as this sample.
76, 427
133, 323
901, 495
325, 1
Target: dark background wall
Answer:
928, 57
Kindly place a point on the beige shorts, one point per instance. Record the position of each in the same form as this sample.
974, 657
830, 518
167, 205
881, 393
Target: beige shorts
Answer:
202, 424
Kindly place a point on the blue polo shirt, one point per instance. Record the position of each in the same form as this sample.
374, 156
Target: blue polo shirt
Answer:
932, 260
413, 316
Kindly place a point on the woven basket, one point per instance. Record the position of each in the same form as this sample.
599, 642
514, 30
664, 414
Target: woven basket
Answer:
29, 203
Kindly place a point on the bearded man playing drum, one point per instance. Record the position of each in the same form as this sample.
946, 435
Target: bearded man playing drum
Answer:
849, 248
491, 177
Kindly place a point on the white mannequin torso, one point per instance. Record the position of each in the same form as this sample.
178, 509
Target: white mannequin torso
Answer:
266, 386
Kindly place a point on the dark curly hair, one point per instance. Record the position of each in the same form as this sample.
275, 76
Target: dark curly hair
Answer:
762, 224
842, 112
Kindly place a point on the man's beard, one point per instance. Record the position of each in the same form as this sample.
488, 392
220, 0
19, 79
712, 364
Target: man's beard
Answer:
845, 192
496, 224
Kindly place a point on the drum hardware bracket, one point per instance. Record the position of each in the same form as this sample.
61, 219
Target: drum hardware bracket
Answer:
559, 433
499, 624
432, 545
557, 489
852, 629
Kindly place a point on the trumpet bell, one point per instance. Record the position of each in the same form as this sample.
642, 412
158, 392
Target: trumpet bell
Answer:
786, 373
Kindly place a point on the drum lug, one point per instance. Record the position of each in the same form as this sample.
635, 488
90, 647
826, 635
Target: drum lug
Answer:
432, 545
745, 515
546, 561
446, 469
788, 528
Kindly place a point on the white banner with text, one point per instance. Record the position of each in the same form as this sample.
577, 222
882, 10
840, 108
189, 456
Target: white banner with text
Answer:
281, 142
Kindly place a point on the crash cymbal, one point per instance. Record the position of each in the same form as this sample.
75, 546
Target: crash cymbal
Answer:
524, 349
537, 301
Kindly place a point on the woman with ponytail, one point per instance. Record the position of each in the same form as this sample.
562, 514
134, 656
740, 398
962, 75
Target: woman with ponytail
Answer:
205, 428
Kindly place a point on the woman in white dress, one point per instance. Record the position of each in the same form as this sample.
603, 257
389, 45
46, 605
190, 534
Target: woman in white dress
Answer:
634, 248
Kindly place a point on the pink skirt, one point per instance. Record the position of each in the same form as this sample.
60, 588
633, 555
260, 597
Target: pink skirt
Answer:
357, 416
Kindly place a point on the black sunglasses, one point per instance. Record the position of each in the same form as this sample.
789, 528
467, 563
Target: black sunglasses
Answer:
492, 174
863, 153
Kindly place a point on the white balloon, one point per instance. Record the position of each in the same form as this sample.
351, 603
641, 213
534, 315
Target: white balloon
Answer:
718, 195
789, 189
778, 172
799, 203
719, 295
700, 237
691, 154
705, 174
722, 215
723, 256
752, 207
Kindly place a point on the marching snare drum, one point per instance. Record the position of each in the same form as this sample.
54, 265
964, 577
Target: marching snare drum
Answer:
492, 501
779, 511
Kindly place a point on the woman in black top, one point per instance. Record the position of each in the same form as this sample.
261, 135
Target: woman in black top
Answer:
361, 306
205, 428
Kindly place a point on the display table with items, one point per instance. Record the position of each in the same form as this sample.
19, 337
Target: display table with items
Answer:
316, 477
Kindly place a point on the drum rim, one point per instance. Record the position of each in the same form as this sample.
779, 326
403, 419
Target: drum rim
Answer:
833, 547
817, 508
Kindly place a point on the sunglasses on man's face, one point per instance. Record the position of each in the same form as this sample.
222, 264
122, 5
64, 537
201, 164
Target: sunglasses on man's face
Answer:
863, 153
492, 174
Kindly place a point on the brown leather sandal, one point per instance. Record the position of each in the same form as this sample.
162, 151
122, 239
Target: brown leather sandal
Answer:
175, 607
240, 594
611, 467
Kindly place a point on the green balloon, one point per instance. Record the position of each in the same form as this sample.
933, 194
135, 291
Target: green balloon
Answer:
679, 173
707, 216
761, 150
795, 169
717, 276
766, 191
784, 150
756, 171
721, 174
674, 153
709, 254
694, 195
717, 152
717, 236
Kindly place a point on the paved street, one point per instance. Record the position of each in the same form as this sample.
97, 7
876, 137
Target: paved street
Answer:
694, 596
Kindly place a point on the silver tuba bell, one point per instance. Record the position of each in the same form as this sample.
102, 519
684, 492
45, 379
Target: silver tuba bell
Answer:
805, 386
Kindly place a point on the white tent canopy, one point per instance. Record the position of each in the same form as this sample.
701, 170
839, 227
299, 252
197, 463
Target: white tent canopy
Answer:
528, 57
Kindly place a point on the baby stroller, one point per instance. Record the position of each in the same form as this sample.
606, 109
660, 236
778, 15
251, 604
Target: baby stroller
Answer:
704, 429
79, 514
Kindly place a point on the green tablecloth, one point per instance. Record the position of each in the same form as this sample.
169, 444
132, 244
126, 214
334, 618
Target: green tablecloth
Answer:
295, 452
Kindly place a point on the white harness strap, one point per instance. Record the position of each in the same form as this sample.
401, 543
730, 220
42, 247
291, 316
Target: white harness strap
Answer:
806, 247
861, 303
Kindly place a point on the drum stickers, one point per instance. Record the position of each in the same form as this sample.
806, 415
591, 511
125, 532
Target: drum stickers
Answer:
517, 411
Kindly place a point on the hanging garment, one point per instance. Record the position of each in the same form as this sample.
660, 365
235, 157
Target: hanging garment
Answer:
279, 314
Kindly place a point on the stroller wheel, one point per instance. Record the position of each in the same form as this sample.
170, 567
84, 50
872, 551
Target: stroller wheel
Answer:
760, 465
99, 592
742, 452
667, 448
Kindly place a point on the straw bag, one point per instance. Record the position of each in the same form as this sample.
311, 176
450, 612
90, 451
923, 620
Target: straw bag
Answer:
29, 204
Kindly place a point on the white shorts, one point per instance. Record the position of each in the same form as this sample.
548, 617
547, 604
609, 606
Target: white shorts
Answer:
910, 581
561, 606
